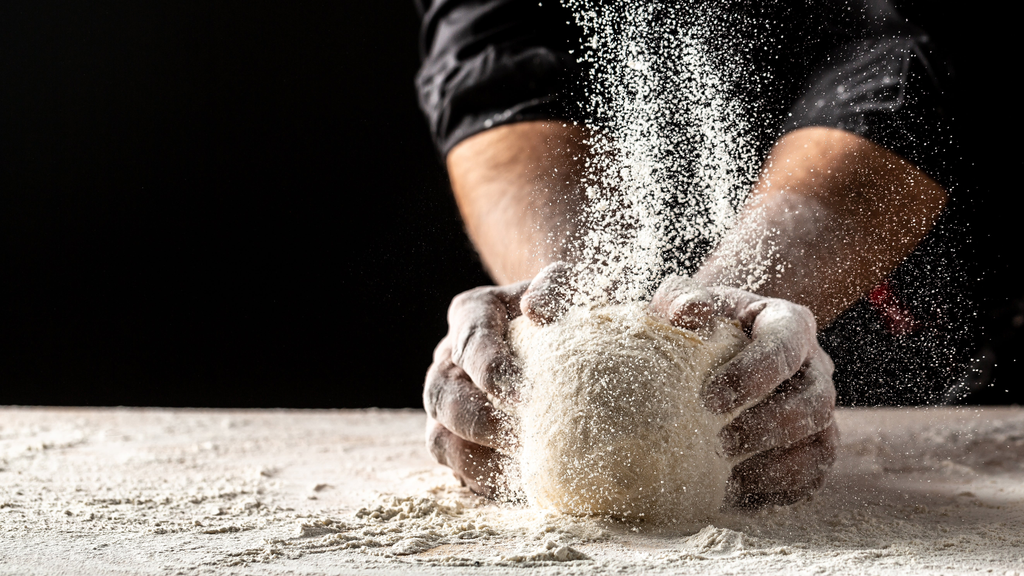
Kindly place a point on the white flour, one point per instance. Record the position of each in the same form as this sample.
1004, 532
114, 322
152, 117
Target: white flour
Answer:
673, 154
612, 422
263, 492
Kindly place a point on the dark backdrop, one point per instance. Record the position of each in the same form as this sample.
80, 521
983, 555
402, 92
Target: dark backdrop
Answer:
237, 203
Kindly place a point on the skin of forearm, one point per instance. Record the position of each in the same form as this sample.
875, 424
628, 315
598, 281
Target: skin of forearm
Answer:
518, 192
831, 214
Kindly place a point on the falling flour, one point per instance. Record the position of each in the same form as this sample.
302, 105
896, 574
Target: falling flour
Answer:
612, 422
673, 153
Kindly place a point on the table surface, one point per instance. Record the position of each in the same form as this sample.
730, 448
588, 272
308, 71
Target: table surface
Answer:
171, 491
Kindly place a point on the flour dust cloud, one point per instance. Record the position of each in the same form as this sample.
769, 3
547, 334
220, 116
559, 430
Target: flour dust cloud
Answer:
672, 153
612, 422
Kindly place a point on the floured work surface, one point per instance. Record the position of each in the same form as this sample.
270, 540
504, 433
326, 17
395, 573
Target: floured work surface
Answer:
151, 491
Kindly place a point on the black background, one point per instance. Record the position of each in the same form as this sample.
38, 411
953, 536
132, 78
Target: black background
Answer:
238, 204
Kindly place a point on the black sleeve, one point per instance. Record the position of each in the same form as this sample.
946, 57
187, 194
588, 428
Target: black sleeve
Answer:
492, 62
888, 87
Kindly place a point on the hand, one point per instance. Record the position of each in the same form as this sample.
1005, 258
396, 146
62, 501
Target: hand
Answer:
474, 364
788, 435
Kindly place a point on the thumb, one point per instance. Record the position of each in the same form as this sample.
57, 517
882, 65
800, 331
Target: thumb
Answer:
549, 294
684, 303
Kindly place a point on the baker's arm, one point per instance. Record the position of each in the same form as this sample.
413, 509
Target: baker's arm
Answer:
517, 189
831, 214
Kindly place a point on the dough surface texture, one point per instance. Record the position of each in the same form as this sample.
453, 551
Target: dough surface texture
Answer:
612, 422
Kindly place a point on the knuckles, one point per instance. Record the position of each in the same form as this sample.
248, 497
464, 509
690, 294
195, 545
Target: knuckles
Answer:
472, 296
754, 482
472, 347
801, 466
691, 311
433, 388
437, 442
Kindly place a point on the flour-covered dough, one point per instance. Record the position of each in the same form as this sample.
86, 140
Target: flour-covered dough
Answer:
612, 422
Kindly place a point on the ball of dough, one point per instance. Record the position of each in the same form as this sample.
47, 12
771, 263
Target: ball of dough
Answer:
612, 423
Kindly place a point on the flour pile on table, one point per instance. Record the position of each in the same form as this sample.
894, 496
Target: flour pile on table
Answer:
395, 526
267, 492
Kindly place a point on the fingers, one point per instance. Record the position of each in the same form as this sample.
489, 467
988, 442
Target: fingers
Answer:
684, 304
783, 336
689, 305
451, 398
784, 475
799, 408
549, 294
477, 321
475, 360
790, 432
472, 361
478, 467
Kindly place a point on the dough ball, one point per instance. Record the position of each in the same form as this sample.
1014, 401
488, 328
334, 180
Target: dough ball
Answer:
612, 423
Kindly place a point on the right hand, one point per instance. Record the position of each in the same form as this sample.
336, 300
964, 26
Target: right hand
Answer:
466, 431
787, 434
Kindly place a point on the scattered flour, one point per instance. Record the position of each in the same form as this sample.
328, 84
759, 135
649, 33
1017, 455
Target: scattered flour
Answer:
397, 526
612, 422
673, 153
166, 492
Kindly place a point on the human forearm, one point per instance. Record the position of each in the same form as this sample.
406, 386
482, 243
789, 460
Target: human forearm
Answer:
831, 215
520, 213
517, 190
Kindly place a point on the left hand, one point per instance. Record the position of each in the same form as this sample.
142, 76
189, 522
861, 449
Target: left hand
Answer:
788, 434
466, 431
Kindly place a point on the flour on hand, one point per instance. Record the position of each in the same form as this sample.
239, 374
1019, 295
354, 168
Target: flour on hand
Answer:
612, 422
